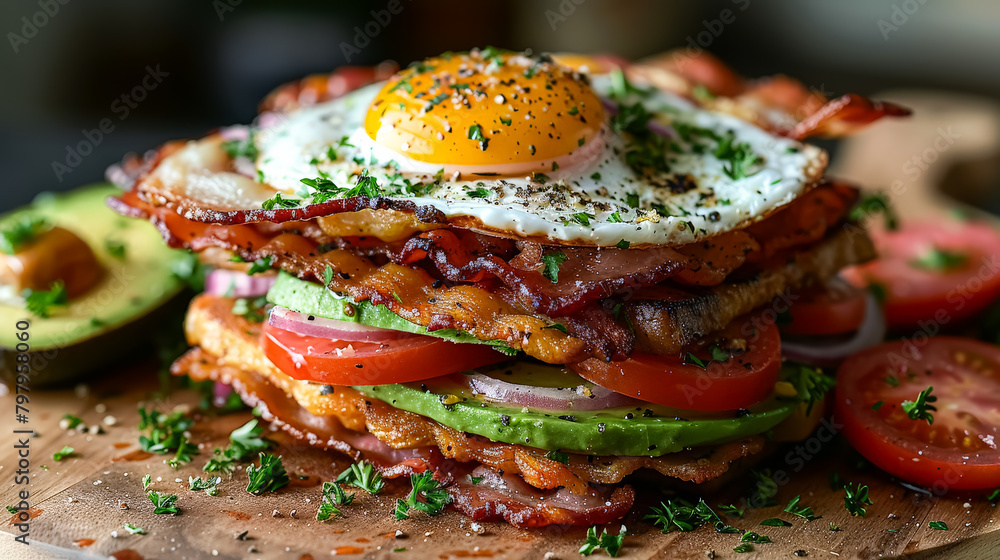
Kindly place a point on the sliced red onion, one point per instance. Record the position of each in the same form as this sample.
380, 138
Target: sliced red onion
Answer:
236, 132
320, 327
233, 283
547, 398
246, 167
871, 332
221, 393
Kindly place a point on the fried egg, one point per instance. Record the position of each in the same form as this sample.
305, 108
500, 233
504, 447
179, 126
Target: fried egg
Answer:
516, 145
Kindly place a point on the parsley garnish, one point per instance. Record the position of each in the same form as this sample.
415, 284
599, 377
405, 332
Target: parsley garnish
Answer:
262, 264
775, 522
764, 490
165, 432
558, 456
803, 512
745, 547
855, 499
209, 485
278, 201
479, 192
876, 203
615, 218
244, 443
185, 450
921, 408
71, 421
63, 453
611, 544
506, 121
164, 502
878, 405
133, 530
731, 510
402, 84
476, 133
20, 232
424, 486
752, 537
681, 515
242, 148
939, 260
39, 303
552, 262
582, 218
268, 477
333, 496
557, 326
810, 383
938, 525
364, 476
327, 275
12, 509
623, 244
146, 481
739, 155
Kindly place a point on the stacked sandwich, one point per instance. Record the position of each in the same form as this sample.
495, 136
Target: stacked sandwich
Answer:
532, 275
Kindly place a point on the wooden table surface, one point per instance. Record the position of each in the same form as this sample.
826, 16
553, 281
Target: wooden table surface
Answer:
92, 494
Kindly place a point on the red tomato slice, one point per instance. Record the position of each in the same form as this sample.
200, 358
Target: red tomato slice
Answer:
959, 450
940, 272
744, 379
836, 307
339, 362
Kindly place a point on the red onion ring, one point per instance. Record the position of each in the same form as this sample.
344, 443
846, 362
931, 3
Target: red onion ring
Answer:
220, 393
547, 398
320, 327
232, 283
871, 332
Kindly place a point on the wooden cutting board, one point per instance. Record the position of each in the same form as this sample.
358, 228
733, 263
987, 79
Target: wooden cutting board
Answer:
81, 502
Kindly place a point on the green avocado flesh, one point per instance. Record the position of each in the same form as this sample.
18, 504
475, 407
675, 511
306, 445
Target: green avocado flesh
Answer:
314, 299
134, 282
641, 430
644, 429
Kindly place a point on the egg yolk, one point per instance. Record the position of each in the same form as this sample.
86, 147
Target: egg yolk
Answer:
487, 107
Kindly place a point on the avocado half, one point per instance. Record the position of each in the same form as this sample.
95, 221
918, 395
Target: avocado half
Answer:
111, 320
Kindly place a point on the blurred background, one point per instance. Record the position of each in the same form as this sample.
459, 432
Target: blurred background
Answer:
157, 70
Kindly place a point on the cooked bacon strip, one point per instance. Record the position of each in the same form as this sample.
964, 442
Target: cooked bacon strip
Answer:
230, 352
320, 88
780, 104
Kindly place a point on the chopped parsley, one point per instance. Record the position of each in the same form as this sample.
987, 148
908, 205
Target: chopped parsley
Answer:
646, 150
558, 456
479, 192
752, 537
872, 204
681, 515
63, 453
267, 477
209, 485
506, 121
146, 481
364, 476
856, 498
623, 244
740, 156
327, 275
245, 147
878, 405
403, 84
262, 264
164, 503
810, 383
940, 260
424, 486
333, 496
552, 262
611, 544
70, 421
476, 133
20, 232
244, 443
133, 530
557, 326
731, 510
166, 432
745, 547
764, 489
185, 450
921, 408
938, 525
252, 309
278, 201
40, 303
615, 218
582, 218
803, 512
775, 522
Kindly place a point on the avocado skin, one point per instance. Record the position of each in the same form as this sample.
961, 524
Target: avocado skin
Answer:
636, 436
71, 343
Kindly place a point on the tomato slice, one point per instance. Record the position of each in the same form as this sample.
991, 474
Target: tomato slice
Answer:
745, 378
940, 272
959, 449
340, 362
836, 307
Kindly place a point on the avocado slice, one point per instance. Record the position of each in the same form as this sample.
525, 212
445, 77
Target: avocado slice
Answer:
313, 299
642, 430
91, 329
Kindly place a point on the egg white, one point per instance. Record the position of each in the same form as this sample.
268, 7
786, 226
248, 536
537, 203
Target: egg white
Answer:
298, 147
